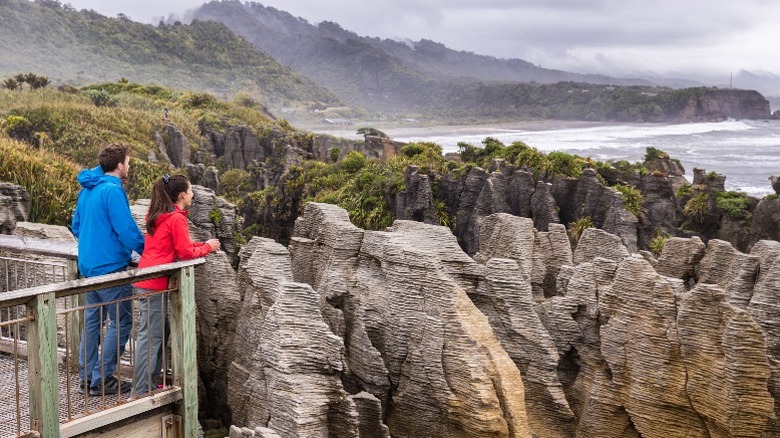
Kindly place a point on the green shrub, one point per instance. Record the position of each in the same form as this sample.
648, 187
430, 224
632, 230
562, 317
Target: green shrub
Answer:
658, 242
468, 153
368, 131
696, 207
101, 98
441, 213
734, 204
244, 99
199, 100
353, 162
215, 216
234, 183
142, 176
335, 153
579, 226
412, 149
683, 190
49, 178
491, 147
633, 198
652, 154
18, 127
563, 164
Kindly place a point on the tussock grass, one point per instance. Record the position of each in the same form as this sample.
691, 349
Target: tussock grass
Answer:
49, 178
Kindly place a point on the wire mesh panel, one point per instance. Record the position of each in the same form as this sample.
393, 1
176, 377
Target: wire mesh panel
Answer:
14, 412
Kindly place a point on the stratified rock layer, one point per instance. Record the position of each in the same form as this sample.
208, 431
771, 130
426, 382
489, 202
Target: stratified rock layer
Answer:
414, 338
399, 333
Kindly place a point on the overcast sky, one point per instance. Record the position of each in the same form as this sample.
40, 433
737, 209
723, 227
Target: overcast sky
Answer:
713, 37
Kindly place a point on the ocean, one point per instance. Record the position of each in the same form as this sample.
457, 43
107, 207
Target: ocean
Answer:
746, 151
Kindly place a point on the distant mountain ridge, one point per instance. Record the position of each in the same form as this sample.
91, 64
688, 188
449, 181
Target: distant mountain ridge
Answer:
49, 38
370, 71
429, 79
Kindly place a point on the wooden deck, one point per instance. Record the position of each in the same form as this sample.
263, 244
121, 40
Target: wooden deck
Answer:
74, 408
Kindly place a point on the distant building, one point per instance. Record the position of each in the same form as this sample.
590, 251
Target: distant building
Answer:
338, 122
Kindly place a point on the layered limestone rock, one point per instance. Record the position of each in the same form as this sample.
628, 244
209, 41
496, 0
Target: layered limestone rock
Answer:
415, 341
764, 307
218, 300
218, 218
173, 146
587, 197
285, 375
539, 255
435, 343
416, 201
733, 271
637, 353
14, 206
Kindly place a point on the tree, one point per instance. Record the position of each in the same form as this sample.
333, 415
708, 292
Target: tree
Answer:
373, 132
11, 84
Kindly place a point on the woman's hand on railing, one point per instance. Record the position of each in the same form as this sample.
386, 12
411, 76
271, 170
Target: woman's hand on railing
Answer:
214, 244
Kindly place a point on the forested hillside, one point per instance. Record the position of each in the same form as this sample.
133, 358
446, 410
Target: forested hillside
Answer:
427, 80
79, 47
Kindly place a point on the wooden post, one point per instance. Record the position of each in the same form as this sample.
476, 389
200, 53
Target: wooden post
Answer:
42, 361
183, 350
75, 321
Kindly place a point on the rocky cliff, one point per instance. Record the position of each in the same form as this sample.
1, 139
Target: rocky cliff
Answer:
358, 333
531, 337
714, 105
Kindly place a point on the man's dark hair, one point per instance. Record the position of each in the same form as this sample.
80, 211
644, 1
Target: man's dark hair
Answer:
111, 155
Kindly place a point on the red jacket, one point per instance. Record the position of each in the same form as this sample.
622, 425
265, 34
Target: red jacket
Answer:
170, 242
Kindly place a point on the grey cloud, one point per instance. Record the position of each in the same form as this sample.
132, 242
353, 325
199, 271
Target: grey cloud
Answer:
564, 31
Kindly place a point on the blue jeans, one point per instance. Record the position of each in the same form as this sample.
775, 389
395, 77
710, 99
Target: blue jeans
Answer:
149, 341
93, 363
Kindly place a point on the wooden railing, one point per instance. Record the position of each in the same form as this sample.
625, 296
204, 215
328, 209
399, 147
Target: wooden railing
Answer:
40, 331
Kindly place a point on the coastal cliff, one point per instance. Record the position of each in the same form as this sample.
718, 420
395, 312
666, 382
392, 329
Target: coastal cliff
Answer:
435, 341
356, 333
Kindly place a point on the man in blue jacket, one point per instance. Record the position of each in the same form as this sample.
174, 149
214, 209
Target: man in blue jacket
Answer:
107, 235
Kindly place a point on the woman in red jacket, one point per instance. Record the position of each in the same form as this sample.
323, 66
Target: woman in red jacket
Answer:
167, 240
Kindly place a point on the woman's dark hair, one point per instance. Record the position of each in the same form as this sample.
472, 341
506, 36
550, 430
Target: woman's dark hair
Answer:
165, 192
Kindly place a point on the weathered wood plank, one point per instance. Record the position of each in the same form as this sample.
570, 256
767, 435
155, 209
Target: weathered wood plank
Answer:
42, 363
75, 321
184, 350
119, 413
144, 428
7, 346
47, 247
73, 287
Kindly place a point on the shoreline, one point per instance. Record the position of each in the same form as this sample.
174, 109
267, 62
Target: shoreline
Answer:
409, 130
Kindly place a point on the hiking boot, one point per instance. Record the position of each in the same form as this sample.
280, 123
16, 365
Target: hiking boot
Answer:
84, 386
111, 386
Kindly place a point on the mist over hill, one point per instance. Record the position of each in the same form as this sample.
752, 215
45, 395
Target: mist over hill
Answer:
373, 72
427, 79
78, 47
326, 66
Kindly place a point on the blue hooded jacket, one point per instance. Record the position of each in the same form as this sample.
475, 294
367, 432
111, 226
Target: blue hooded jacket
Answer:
103, 224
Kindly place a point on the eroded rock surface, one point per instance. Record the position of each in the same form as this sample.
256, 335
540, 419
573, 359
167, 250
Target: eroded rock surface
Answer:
400, 333
414, 339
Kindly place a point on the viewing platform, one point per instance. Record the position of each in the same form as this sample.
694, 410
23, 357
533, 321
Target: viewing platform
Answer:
41, 317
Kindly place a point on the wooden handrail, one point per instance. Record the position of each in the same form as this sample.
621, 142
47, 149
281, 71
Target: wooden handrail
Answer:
73, 287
